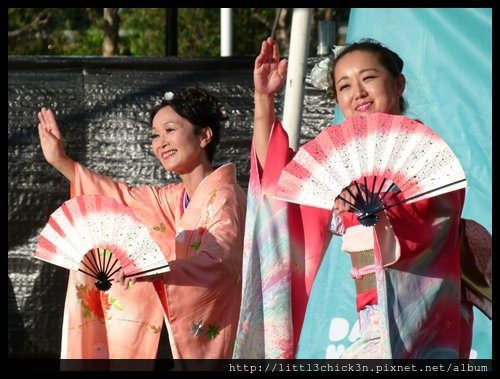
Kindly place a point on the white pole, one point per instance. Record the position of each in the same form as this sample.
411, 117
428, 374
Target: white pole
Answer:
226, 32
296, 72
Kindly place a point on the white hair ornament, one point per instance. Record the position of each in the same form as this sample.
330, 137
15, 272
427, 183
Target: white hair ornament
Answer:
321, 76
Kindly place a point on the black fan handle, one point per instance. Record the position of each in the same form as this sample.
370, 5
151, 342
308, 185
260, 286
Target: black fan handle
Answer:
143, 272
384, 206
366, 201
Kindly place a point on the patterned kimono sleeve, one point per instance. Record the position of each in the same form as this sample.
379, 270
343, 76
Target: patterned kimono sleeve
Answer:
89, 182
418, 281
218, 245
476, 256
203, 288
283, 246
144, 201
120, 323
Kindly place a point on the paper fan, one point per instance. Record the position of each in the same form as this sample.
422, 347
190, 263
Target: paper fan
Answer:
397, 159
97, 235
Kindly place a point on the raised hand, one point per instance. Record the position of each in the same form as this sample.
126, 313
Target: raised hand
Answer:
52, 145
269, 72
50, 136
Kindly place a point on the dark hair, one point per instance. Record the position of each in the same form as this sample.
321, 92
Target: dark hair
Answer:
201, 109
387, 58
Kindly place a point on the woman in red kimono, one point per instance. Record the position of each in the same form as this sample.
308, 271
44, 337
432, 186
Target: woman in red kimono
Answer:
406, 268
198, 223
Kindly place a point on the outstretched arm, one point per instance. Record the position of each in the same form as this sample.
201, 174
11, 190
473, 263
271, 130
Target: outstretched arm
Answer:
52, 146
269, 76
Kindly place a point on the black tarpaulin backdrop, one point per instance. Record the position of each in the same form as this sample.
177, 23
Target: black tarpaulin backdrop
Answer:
102, 105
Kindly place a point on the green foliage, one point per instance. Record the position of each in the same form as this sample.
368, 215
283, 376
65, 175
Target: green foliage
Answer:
52, 31
90, 43
198, 31
142, 31
250, 27
17, 20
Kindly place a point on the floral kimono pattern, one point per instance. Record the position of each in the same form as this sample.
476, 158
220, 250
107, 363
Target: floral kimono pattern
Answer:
278, 269
198, 299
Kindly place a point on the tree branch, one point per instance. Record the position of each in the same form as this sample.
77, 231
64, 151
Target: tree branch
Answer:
40, 20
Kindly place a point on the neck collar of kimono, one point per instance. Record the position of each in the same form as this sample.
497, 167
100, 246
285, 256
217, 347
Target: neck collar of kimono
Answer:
222, 172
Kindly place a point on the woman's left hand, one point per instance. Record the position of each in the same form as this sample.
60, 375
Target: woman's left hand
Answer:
351, 194
124, 281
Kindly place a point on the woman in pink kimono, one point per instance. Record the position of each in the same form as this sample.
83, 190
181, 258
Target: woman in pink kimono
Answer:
198, 223
406, 269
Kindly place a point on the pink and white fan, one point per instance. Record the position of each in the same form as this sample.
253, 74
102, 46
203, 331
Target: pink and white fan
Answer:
384, 155
97, 235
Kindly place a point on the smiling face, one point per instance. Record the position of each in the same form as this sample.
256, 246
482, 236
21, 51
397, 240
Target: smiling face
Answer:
364, 86
175, 142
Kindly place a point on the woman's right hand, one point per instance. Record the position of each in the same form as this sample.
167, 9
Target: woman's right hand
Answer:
50, 136
52, 145
268, 76
269, 72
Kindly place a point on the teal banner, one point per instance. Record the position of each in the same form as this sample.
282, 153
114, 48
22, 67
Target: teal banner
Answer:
448, 69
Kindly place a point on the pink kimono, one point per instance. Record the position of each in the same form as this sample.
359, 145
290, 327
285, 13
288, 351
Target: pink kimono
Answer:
199, 299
